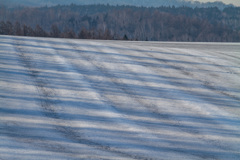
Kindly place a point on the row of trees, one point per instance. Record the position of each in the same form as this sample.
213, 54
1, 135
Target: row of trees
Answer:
118, 22
7, 28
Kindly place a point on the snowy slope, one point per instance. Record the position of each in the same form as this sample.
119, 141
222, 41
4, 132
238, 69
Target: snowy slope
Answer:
85, 99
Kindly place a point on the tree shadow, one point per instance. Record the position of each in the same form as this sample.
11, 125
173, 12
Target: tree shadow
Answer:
109, 110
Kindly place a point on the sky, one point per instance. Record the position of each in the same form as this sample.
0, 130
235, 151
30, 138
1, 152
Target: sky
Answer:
235, 2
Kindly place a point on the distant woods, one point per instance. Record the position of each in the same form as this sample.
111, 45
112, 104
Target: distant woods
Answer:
7, 28
124, 22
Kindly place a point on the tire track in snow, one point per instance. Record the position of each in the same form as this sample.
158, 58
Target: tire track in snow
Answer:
77, 136
46, 103
48, 107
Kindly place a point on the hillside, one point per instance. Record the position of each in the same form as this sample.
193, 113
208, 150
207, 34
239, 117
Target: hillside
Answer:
89, 99
145, 3
116, 22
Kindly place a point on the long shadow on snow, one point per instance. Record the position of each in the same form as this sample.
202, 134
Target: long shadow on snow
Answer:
139, 90
120, 55
157, 65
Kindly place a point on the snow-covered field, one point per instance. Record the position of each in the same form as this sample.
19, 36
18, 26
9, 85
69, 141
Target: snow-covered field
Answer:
86, 99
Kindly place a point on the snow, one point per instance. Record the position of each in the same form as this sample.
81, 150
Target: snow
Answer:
89, 99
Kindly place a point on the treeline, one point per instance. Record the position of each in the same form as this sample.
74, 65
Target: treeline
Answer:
7, 28
125, 22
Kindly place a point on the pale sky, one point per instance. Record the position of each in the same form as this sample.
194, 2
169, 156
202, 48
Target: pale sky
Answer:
235, 2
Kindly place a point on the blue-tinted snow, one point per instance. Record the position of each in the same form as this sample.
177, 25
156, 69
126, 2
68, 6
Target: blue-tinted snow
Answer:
85, 99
